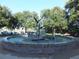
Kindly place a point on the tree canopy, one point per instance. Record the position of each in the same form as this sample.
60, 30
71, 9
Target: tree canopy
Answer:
26, 18
54, 19
72, 12
5, 16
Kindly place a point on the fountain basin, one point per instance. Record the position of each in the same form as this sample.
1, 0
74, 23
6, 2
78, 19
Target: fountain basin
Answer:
48, 46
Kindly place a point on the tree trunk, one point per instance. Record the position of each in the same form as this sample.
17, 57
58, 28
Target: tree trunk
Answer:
53, 33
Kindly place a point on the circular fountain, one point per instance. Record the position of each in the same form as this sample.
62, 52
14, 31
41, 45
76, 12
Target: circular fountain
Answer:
46, 46
39, 44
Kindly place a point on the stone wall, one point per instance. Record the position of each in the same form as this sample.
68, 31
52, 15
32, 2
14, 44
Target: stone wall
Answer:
39, 48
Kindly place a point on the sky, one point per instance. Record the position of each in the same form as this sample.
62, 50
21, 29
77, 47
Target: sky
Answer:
32, 5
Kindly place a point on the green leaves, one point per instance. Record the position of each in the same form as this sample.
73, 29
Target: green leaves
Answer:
74, 16
54, 18
5, 16
26, 18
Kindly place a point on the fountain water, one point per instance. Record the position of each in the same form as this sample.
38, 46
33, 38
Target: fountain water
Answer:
40, 29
